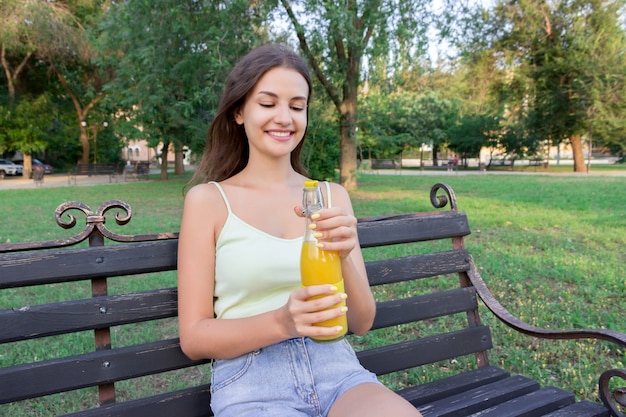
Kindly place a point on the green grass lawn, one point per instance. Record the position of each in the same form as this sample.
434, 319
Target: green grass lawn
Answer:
551, 249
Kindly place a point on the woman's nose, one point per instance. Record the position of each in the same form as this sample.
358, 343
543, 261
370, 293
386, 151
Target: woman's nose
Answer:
283, 115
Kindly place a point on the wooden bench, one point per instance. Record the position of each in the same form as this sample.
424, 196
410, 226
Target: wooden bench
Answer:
386, 164
83, 169
430, 164
419, 257
137, 170
537, 162
501, 163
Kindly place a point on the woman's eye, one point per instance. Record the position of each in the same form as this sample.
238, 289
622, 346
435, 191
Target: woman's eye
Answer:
268, 105
297, 108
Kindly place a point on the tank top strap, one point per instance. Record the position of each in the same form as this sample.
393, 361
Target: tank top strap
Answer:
221, 190
329, 199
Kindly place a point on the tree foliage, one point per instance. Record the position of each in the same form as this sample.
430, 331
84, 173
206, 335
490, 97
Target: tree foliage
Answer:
52, 36
171, 58
560, 71
528, 72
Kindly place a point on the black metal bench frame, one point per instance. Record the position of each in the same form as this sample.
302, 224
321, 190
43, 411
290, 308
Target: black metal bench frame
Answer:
90, 169
487, 389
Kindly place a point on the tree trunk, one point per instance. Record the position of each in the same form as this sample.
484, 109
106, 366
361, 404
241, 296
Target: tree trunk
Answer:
164, 152
348, 166
83, 137
577, 150
179, 167
28, 165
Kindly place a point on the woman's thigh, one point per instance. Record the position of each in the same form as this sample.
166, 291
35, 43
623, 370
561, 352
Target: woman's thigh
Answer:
372, 400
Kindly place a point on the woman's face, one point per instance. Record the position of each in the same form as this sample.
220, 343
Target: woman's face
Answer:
274, 115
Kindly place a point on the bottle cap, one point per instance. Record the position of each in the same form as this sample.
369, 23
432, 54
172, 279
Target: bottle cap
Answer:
312, 183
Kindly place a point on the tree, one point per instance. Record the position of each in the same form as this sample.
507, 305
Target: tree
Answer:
335, 37
54, 33
472, 132
171, 58
24, 127
559, 63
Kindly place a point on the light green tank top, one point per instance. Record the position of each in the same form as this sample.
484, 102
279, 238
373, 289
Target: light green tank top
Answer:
254, 271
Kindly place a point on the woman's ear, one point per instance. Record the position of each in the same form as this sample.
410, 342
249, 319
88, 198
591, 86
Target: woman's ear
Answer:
238, 116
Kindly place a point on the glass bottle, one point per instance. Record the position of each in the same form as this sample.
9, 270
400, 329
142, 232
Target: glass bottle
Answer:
318, 266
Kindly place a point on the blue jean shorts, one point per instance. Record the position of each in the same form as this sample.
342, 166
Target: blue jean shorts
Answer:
296, 377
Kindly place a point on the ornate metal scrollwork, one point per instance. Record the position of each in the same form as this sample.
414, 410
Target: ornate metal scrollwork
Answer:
440, 201
95, 219
616, 399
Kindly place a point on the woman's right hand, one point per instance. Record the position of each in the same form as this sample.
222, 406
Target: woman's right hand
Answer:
309, 305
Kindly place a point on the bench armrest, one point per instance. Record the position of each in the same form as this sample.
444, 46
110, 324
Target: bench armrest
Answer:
618, 396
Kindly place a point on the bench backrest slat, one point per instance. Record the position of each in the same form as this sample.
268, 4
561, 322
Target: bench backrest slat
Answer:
73, 316
404, 229
80, 371
407, 268
429, 349
66, 265
406, 310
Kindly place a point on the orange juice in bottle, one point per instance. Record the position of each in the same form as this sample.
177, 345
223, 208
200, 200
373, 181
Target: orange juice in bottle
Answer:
318, 266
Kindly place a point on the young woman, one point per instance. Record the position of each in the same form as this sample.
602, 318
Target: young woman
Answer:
240, 299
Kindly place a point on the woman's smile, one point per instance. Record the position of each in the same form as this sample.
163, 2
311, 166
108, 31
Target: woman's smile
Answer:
281, 135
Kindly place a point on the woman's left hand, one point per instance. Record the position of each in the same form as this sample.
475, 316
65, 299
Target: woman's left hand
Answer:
334, 229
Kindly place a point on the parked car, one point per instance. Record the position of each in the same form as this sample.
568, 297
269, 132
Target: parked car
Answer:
9, 168
47, 169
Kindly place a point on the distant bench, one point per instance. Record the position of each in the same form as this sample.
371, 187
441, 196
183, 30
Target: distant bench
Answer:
501, 163
537, 162
83, 169
137, 170
386, 164
441, 164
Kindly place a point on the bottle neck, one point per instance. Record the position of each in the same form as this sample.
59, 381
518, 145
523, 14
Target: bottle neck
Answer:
312, 203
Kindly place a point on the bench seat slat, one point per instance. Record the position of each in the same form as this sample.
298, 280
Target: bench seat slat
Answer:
65, 265
534, 404
399, 356
66, 317
581, 409
190, 402
404, 229
59, 375
480, 398
442, 388
406, 310
406, 268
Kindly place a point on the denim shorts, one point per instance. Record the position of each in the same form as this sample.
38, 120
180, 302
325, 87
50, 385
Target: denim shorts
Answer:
296, 377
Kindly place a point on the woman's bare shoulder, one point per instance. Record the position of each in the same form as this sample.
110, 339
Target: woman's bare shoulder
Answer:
206, 200
203, 193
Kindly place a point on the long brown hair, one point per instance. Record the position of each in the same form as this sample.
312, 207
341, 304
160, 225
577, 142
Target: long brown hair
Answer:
227, 151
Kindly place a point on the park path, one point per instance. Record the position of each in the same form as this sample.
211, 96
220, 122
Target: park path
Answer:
60, 180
